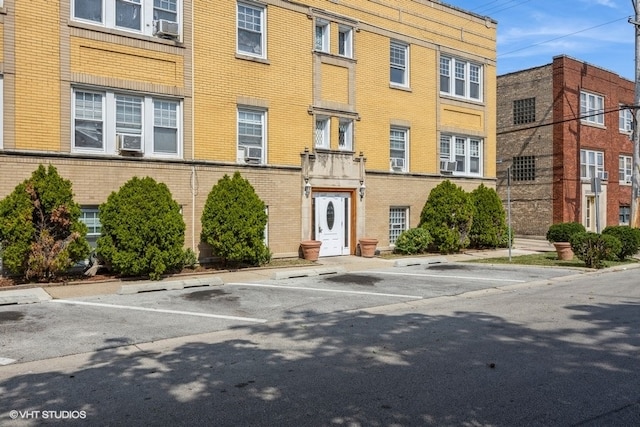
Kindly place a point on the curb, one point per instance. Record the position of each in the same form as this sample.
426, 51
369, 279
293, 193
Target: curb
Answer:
307, 272
171, 285
406, 262
24, 296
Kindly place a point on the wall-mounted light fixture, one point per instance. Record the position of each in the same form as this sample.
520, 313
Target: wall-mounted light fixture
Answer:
307, 187
362, 189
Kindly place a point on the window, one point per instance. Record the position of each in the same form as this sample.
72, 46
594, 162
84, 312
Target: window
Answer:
591, 164
625, 215
90, 218
345, 35
144, 124
524, 168
625, 123
460, 78
398, 151
251, 136
524, 111
251, 30
625, 169
465, 152
322, 133
138, 16
397, 223
322, 36
345, 135
591, 108
398, 55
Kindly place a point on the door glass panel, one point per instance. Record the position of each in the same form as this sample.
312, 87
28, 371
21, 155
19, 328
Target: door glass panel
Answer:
331, 215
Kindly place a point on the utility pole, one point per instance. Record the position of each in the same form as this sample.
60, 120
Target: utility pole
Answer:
635, 176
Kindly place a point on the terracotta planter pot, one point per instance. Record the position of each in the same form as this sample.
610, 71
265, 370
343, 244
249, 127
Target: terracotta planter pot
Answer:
310, 249
368, 247
563, 249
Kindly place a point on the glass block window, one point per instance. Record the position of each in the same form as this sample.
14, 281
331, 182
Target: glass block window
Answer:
524, 111
524, 168
92, 221
397, 223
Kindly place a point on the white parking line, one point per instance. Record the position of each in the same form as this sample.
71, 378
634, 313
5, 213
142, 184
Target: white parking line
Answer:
487, 279
6, 361
337, 291
159, 310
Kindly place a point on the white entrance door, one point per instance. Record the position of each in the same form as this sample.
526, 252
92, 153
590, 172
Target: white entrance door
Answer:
331, 224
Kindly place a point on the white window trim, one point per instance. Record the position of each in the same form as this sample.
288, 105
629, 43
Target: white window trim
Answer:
404, 67
263, 116
627, 169
263, 30
599, 166
625, 121
452, 61
405, 158
146, 22
451, 140
348, 43
326, 35
326, 133
348, 135
109, 144
405, 210
591, 114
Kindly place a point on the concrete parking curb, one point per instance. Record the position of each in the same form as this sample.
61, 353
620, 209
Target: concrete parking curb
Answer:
307, 272
406, 262
24, 296
169, 285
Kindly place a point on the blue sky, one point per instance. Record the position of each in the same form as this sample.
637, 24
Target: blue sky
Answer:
532, 32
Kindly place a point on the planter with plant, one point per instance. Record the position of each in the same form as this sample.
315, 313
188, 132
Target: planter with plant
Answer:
560, 234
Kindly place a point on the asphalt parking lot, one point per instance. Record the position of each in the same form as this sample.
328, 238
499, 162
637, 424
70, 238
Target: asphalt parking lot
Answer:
66, 326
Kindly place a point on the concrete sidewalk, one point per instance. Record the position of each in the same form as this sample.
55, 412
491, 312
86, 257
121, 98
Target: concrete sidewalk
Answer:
329, 265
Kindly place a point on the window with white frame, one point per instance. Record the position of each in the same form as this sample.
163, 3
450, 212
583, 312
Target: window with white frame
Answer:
466, 152
251, 31
625, 169
399, 65
625, 215
345, 135
1, 112
398, 149
108, 122
140, 16
251, 136
460, 78
322, 139
625, 122
397, 223
322, 36
591, 164
91, 219
345, 42
591, 108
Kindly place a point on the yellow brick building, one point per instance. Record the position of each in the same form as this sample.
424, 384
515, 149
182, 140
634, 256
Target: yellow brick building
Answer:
343, 115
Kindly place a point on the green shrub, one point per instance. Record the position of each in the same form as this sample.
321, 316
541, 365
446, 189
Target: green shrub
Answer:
142, 230
41, 234
190, 258
234, 220
447, 216
562, 231
628, 236
413, 241
594, 249
489, 227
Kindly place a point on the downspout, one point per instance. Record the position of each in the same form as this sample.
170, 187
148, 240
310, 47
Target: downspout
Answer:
194, 177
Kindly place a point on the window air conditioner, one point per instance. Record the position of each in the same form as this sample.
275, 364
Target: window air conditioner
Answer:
253, 154
131, 143
603, 175
166, 28
447, 167
397, 164
627, 179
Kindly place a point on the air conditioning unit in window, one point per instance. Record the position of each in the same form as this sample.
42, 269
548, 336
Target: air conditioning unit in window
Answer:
447, 167
627, 179
603, 175
130, 143
397, 164
166, 28
253, 155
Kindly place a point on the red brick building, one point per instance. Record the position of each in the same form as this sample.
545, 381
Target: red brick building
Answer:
559, 126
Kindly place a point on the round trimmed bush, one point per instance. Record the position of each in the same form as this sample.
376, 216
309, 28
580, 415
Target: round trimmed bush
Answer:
142, 230
562, 231
628, 236
594, 248
413, 241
